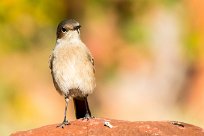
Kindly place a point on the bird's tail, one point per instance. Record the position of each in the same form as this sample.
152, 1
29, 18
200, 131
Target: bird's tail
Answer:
81, 107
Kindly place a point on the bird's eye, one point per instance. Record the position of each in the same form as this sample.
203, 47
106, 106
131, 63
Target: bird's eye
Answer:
64, 30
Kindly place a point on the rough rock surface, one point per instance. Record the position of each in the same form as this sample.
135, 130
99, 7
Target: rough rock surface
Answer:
95, 127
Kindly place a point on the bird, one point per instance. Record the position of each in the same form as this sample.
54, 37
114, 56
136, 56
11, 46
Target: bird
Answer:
72, 69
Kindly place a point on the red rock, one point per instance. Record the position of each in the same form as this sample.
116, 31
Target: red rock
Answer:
96, 126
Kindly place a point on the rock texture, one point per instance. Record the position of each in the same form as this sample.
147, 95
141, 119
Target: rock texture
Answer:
95, 127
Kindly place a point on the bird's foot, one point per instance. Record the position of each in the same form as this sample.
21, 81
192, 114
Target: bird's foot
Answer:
64, 123
87, 117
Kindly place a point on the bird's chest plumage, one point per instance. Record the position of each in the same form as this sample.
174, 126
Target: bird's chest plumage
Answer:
72, 71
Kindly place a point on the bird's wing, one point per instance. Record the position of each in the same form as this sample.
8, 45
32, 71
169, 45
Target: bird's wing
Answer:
51, 58
91, 59
50, 61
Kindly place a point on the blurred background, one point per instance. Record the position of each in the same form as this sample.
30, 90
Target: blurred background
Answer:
149, 59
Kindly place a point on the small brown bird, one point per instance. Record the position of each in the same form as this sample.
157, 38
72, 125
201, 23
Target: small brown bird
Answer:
72, 68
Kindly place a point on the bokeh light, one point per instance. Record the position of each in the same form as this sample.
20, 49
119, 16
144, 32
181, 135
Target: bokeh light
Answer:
148, 56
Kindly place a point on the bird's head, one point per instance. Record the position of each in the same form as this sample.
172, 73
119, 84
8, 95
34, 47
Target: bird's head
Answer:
68, 29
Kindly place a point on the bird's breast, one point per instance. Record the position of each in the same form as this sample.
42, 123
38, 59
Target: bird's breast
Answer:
73, 70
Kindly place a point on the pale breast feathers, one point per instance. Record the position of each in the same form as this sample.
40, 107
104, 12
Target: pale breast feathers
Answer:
73, 67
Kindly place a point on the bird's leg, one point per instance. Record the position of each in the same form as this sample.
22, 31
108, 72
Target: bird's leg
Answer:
65, 121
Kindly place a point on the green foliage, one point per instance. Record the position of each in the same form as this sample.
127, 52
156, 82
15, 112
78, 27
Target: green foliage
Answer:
133, 32
169, 2
191, 43
23, 20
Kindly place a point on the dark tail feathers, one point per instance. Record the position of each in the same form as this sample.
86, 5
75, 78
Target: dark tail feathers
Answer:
81, 107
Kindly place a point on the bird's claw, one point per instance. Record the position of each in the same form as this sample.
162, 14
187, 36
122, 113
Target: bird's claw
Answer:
64, 123
88, 117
